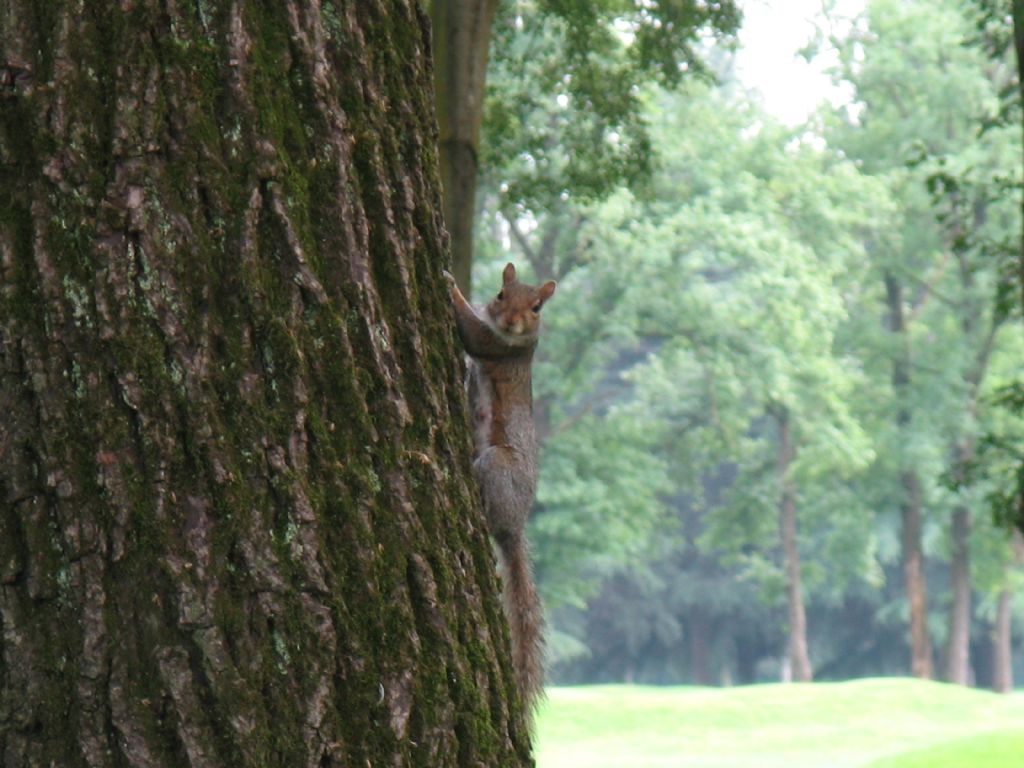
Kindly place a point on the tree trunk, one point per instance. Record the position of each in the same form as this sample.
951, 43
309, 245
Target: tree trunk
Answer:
912, 550
238, 526
1002, 650
957, 653
800, 663
748, 654
462, 37
913, 575
1002, 646
698, 630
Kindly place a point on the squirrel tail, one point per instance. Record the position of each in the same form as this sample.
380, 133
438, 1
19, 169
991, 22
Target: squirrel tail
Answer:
523, 608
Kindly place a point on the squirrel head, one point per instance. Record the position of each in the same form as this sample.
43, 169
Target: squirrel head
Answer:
515, 310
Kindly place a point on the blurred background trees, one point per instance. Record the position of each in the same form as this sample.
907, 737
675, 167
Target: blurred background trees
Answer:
779, 394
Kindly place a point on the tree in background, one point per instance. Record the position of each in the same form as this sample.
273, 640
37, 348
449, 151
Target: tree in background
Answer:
672, 300
1001, 34
504, 64
461, 45
755, 274
753, 249
1001, 462
921, 96
238, 526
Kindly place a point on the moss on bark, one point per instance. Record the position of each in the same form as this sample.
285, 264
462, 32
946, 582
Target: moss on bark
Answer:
238, 525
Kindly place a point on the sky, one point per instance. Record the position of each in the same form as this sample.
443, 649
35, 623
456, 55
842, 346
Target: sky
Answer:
773, 31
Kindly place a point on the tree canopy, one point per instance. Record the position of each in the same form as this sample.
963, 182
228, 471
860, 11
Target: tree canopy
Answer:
781, 327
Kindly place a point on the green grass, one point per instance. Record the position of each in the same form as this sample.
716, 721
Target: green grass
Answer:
989, 750
883, 723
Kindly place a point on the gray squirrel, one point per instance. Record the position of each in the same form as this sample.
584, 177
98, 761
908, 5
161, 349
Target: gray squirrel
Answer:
500, 339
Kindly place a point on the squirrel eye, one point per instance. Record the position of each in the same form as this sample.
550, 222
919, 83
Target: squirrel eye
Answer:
536, 308
501, 295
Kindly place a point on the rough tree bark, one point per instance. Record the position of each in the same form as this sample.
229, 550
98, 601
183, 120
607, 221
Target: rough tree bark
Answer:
237, 526
796, 648
911, 548
462, 38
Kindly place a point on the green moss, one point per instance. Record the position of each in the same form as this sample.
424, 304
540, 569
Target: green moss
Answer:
281, 346
333, 28
69, 236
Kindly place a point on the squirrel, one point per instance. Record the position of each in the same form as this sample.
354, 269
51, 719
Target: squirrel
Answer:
500, 339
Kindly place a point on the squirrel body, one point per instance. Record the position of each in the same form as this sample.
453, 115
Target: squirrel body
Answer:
500, 339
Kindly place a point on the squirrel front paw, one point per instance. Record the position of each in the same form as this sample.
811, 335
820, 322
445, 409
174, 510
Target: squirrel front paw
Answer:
453, 286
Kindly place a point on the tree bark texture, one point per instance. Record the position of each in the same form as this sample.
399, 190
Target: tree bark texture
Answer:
911, 517
799, 659
237, 520
462, 38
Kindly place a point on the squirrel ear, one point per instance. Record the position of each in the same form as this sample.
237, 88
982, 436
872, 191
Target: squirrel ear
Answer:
509, 275
547, 290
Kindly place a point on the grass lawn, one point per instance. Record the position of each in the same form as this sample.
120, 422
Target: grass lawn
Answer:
989, 750
882, 723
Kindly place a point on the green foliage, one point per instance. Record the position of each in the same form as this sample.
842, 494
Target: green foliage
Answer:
742, 278
563, 114
666, 305
928, 123
995, 24
589, 509
746, 280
